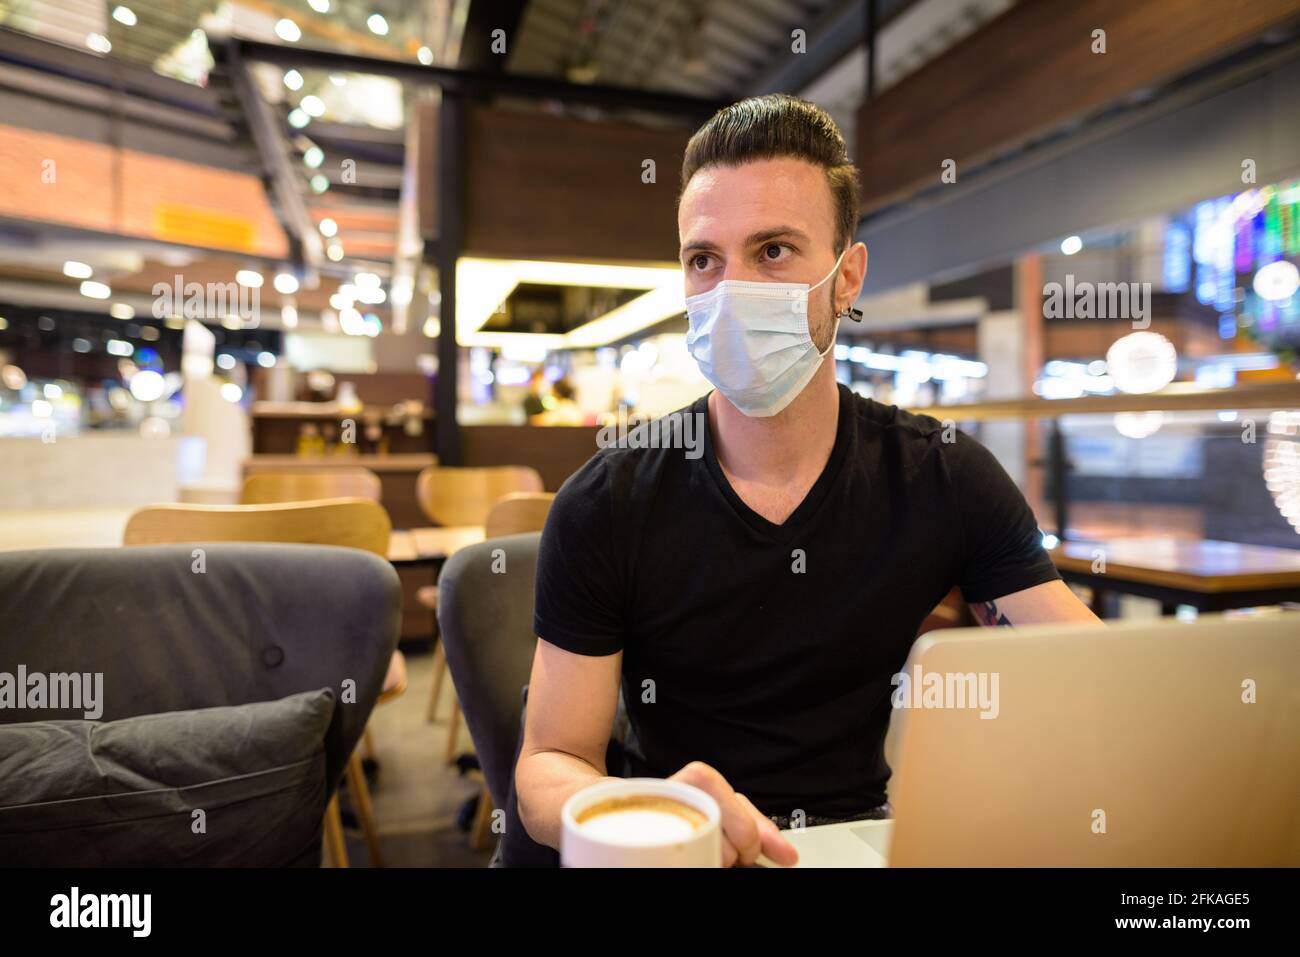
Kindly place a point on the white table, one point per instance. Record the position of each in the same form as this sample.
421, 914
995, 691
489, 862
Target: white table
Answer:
851, 844
23, 528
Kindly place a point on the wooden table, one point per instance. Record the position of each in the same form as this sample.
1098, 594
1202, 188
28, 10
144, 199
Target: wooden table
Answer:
102, 528
408, 546
1208, 575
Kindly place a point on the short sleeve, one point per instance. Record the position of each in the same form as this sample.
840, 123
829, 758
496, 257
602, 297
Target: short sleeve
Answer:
1002, 548
579, 599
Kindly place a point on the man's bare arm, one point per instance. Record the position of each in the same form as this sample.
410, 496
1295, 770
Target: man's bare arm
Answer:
572, 700
1043, 604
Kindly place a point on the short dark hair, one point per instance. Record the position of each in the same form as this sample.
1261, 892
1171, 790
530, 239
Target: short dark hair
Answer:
775, 125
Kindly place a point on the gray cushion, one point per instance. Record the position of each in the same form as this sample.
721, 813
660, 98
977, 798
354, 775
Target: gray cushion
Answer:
123, 793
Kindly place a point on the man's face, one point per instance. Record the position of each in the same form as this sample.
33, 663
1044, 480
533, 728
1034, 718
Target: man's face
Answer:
770, 220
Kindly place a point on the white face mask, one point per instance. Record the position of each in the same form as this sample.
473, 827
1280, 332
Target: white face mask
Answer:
751, 341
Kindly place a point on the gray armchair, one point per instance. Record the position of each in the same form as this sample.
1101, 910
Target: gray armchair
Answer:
251, 623
485, 617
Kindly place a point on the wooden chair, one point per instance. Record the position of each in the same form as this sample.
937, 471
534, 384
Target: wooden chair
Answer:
463, 496
349, 522
951, 612
266, 488
517, 513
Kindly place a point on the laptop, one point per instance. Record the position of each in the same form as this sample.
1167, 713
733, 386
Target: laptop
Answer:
1139, 744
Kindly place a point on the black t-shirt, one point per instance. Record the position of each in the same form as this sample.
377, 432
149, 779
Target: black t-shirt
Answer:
767, 650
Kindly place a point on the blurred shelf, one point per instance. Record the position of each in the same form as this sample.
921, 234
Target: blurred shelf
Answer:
1179, 397
320, 410
397, 462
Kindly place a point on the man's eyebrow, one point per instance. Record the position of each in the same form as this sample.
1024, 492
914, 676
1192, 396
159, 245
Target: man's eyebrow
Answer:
699, 244
753, 239
776, 232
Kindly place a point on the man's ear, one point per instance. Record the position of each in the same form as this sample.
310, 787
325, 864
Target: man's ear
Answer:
855, 259
865, 257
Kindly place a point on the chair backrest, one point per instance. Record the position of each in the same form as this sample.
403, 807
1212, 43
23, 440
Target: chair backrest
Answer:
172, 632
486, 623
349, 522
266, 488
517, 513
464, 496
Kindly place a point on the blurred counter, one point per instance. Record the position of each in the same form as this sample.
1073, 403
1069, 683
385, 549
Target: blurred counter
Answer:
91, 470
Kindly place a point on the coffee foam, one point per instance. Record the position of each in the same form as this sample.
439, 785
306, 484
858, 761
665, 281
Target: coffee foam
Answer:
640, 819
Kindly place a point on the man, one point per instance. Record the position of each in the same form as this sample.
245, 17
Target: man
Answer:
564, 409
755, 601
534, 405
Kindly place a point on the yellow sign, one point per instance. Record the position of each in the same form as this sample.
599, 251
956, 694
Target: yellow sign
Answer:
193, 226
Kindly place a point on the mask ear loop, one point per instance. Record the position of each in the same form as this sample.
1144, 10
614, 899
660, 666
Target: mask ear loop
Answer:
834, 269
834, 333
839, 315
847, 311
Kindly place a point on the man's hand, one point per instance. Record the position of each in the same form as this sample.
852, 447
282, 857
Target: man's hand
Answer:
746, 831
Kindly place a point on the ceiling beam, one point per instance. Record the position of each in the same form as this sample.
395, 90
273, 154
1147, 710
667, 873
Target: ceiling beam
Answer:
273, 150
476, 42
479, 83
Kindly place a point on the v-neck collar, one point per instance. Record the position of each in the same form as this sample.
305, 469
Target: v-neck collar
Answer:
797, 519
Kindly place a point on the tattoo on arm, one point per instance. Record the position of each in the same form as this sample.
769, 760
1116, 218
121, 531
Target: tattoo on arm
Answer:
989, 616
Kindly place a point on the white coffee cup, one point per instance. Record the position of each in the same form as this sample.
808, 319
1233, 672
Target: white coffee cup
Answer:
641, 822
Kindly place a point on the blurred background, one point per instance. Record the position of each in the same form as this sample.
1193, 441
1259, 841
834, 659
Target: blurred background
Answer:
212, 213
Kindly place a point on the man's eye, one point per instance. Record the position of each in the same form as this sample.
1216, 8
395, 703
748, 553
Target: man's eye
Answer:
700, 262
773, 251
